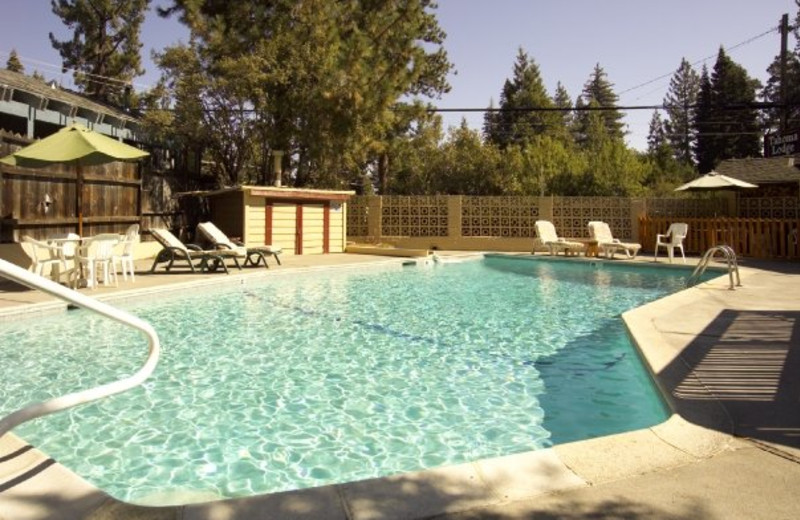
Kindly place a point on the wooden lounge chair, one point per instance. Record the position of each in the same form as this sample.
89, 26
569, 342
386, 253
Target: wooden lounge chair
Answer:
254, 254
606, 242
175, 250
546, 232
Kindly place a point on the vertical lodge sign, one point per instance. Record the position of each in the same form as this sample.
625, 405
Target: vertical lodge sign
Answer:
781, 144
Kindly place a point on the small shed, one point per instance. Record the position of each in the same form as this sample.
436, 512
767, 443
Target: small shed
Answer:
301, 221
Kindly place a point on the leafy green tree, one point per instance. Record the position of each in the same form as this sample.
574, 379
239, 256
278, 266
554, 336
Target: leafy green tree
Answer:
13, 64
680, 101
663, 171
323, 79
104, 50
598, 93
468, 167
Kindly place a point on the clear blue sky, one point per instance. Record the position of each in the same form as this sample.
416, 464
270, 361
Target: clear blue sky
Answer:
635, 41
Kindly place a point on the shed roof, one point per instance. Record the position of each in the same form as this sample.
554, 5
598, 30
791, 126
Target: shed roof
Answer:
761, 170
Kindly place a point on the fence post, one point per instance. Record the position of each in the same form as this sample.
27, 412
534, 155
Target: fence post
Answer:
546, 208
454, 205
375, 217
638, 210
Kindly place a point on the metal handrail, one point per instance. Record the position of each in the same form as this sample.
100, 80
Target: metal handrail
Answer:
32, 411
730, 258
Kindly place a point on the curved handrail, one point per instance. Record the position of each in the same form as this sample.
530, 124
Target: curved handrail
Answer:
730, 259
32, 411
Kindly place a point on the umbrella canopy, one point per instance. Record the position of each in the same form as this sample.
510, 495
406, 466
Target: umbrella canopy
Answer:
73, 144
76, 145
714, 181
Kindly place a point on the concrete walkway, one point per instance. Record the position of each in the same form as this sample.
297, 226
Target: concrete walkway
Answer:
727, 361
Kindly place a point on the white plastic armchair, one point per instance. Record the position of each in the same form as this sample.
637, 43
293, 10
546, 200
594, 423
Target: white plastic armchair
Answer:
124, 259
54, 259
95, 255
671, 240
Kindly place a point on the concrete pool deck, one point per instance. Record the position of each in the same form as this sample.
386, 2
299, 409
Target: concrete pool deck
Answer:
728, 363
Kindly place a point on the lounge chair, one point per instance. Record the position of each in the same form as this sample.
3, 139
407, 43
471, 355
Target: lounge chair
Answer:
546, 232
601, 233
175, 250
672, 239
254, 254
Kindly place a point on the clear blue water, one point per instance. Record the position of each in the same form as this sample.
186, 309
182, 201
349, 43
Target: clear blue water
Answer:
311, 379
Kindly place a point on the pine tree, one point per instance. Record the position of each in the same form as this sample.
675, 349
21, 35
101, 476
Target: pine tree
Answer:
565, 119
13, 64
703, 124
599, 92
490, 123
525, 90
680, 101
104, 48
657, 134
733, 93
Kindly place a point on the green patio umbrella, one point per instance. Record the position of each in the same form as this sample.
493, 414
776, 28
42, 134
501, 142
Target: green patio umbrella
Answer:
76, 145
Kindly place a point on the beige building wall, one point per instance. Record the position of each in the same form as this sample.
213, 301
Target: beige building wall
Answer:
283, 226
338, 217
312, 229
255, 220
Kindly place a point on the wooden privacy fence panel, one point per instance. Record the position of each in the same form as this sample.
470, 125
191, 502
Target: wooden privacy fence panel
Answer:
749, 237
45, 201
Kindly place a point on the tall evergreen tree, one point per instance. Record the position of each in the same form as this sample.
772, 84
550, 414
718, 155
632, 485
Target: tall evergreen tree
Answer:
104, 50
13, 64
657, 133
599, 92
704, 125
566, 118
680, 101
525, 90
733, 94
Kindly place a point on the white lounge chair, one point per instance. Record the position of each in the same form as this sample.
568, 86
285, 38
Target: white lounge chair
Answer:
672, 239
175, 250
601, 233
254, 254
546, 232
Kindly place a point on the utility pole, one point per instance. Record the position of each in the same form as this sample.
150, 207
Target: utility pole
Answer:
784, 27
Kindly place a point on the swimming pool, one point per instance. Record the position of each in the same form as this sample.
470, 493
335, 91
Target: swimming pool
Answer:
311, 379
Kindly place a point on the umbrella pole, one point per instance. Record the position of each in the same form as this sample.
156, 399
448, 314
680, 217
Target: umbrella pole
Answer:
79, 197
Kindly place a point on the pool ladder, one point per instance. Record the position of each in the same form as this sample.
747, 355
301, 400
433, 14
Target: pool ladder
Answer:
32, 411
730, 259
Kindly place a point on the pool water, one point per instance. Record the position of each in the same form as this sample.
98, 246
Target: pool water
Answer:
310, 379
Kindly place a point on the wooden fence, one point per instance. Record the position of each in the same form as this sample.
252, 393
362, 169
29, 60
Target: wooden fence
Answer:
108, 198
749, 237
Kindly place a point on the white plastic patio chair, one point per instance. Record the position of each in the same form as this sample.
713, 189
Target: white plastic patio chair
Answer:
54, 259
124, 259
671, 240
95, 257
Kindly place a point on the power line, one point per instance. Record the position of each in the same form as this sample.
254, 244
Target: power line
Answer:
669, 74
